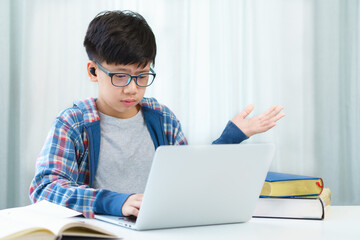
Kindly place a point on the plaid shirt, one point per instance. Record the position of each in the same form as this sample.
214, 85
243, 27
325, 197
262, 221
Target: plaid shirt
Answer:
66, 166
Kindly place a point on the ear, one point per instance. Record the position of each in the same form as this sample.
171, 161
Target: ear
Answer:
91, 70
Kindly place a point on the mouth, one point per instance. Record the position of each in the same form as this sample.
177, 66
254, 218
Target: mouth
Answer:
128, 102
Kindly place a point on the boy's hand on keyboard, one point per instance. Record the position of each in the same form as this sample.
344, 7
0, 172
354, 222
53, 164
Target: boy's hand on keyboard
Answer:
132, 205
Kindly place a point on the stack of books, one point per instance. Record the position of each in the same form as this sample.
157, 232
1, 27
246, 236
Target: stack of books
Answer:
293, 197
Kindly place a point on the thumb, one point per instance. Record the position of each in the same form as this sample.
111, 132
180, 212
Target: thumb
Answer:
247, 111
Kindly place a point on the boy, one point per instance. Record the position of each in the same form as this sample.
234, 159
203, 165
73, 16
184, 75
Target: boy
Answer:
99, 152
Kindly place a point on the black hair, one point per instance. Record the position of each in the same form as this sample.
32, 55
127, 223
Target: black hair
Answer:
120, 37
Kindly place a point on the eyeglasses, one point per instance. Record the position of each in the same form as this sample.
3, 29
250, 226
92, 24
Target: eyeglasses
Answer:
124, 79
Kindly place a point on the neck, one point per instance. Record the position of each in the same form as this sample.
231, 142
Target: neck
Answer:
108, 110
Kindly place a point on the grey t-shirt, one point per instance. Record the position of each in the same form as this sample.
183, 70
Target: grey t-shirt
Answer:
126, 154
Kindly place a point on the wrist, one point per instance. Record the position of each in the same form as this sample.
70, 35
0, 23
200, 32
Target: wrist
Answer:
232, 134
247, 131
111, 203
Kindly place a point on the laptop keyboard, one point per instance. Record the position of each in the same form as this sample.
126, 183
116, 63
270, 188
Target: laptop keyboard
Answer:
130, 219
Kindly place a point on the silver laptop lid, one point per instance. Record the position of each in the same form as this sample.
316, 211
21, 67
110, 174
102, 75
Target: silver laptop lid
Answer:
203, 185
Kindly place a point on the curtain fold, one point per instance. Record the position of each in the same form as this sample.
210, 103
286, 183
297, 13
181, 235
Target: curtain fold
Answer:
4, 99
336, 88
214, 58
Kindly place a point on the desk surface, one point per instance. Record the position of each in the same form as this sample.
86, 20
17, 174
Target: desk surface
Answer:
342, 222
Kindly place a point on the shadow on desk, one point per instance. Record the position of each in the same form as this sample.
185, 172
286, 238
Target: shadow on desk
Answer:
87, 238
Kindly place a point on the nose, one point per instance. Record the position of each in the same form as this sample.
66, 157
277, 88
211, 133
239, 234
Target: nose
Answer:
131, 88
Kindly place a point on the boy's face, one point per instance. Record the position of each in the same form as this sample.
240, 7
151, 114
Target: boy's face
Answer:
120, 102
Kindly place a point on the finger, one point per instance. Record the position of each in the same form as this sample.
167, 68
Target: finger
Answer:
128, 210
276, 111
137, 197
132, 212
136, 204
268, 126
249, 108
265, 115
270, 110
278, 117
140, 196
135, 212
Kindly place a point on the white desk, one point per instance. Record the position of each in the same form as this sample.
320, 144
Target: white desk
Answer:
342, 222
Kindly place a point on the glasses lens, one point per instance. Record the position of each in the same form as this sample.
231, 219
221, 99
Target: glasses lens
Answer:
145, 79
120, 79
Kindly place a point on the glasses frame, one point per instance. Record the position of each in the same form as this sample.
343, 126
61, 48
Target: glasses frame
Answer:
135, 77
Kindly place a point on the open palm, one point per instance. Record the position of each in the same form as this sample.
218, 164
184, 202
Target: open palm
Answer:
260, 123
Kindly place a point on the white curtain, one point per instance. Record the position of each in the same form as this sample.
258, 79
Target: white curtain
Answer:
214, 58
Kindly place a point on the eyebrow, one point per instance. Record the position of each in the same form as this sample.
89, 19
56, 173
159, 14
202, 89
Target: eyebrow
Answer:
126, 70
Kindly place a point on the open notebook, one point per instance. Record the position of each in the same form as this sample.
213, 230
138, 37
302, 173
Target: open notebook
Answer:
45, 220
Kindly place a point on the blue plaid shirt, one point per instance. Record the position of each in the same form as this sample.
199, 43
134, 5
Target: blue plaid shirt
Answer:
66, 166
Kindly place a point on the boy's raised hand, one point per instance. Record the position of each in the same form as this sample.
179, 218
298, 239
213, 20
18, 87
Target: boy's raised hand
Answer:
260, 123
132, 205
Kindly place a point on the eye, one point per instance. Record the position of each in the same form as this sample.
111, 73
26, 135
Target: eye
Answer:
121, 76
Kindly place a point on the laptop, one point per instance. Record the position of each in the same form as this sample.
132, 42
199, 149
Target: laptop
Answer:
201, 185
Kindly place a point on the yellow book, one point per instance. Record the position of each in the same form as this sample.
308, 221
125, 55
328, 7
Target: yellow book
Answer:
291, 185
